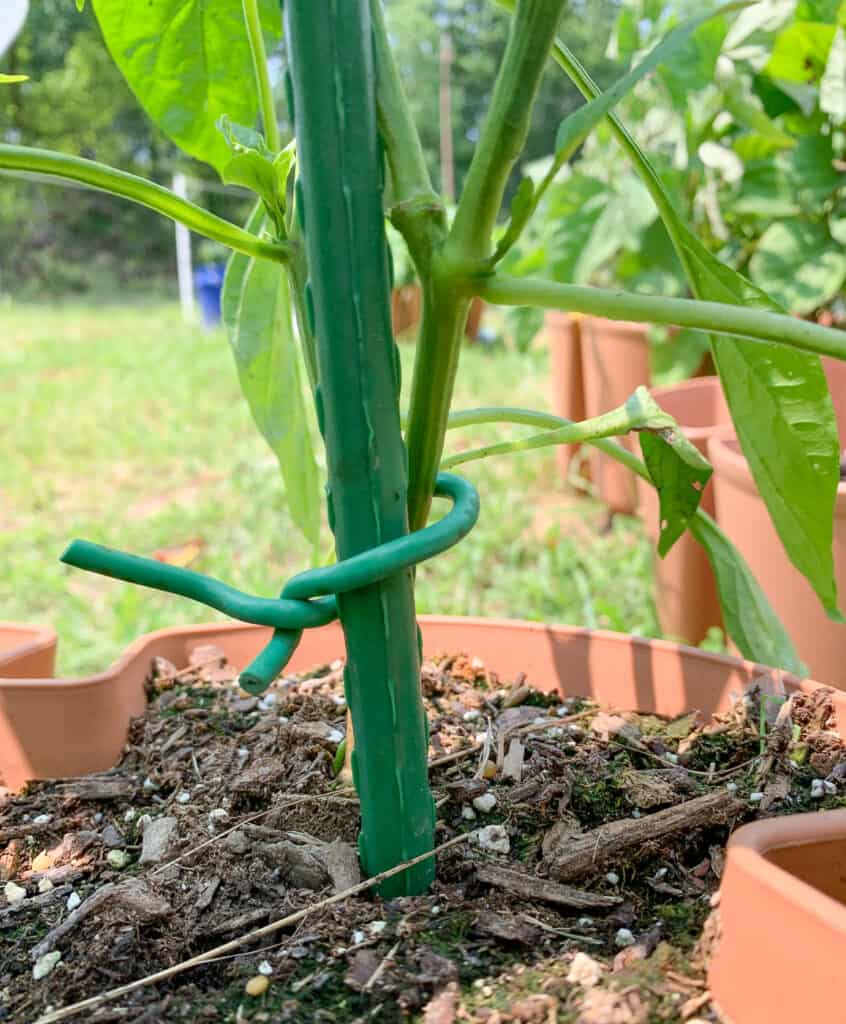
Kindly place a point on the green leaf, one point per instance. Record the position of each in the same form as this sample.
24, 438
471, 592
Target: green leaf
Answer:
833, 82
575, 128
813, 173
188, 62
8, 79
749, 616
257, 311
694, 66
619, 226
800, 53
679, 473
255, 167
798, 263
80, 5
778, 397
766, 191
676, 356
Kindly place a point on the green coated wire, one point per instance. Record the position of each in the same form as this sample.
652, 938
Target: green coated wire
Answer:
307, 600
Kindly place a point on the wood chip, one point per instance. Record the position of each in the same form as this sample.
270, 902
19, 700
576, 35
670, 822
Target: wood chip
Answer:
532, 888
591, 850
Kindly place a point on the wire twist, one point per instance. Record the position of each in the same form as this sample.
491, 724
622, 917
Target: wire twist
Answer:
307, 600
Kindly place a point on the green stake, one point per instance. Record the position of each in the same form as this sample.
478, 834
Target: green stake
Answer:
339, 194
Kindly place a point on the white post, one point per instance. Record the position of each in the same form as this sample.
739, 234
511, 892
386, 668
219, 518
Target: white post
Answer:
183, 256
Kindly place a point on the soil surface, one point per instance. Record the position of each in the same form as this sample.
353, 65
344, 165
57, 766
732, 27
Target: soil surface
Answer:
584, 893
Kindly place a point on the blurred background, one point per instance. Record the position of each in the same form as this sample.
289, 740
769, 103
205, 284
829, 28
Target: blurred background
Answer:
122, 419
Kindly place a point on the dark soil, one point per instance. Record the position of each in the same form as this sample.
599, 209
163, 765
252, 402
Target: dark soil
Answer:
530, 935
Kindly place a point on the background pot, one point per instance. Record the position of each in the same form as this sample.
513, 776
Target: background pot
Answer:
474, 318
741, 512
562, 335
51, 728
782, 895
615, 361
686, 592
405, 307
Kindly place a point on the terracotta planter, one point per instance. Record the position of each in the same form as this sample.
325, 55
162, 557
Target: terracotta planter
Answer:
780, 957
562, 335
783, 888
741, 512
54, 727
406, 304
687, 599
615, 361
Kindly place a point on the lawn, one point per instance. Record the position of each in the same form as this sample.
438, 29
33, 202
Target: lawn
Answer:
124, 426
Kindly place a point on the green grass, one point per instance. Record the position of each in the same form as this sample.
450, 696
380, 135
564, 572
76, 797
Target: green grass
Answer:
124, 426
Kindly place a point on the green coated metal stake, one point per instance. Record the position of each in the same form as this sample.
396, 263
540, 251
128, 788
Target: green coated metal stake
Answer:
332, 88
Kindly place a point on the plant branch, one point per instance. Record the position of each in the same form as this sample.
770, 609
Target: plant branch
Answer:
716, 317
146, 193
506, 126
266, 104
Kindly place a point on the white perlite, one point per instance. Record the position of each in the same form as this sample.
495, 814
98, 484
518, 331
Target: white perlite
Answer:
265, 968
14, 893
117, 859
73, 901
45, 885
485, 803
468, 813
584, 971
624, 938
493, 838
45, 964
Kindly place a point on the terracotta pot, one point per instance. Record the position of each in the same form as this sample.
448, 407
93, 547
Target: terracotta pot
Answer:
782, 896
686, 592
474, 318
615, 361
28, 651
58, 727
783, 887
741, 512
406, 302
561, 333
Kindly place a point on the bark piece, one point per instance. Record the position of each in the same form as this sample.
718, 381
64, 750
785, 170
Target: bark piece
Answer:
543, 889
591, 850
341, 861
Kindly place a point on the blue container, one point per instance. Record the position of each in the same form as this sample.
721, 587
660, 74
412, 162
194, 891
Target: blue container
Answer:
208, 282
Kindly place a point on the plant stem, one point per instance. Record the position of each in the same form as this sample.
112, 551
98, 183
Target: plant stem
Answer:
146, 193
717, 317
266, 104
409, 174
506, 126
435, 366
333, 86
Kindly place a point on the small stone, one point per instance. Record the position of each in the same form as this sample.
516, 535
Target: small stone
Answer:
45, 885
42, 819
156, 838
756, 797
584, 971
45, 964
267, 701
357, 938
817, 789
555, 733
149, 784
671, 758
335, 736
377, 927
265, 968
98, 817
612, 878
485, 803
624, 938
472, 715
339, 701
731, 787
117, 859
468, 813
435, 911
73, 901
129, 815
493, 838
585, 922
257, 986
218, 814
829, 787
14, 893
111, 837
480, 737
183, 797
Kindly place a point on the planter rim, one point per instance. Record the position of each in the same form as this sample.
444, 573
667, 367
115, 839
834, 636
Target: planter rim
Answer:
508, 625
33, 638
694, 385
749, 845
732, 464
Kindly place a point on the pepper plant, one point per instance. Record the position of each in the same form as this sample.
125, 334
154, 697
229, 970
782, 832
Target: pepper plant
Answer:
307, 305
